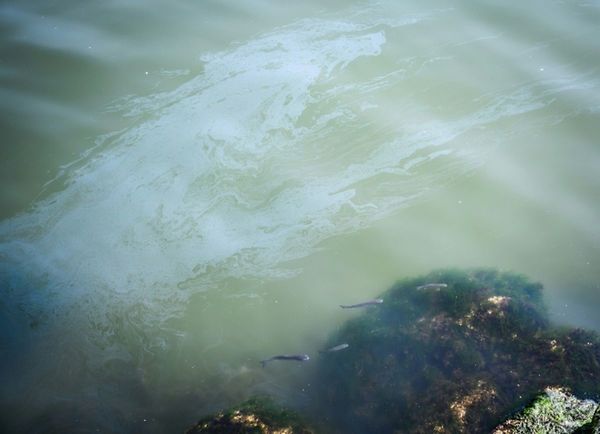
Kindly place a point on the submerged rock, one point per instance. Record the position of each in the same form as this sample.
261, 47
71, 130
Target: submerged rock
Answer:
553, 412
453, 359
257, 416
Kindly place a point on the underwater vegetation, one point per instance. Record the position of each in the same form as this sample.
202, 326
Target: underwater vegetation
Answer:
259, 415
450, 352
555, 411
455, 358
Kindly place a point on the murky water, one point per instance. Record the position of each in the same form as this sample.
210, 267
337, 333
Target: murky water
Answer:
189, 187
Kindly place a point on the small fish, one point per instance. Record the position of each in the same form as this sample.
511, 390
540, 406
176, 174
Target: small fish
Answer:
334, 349
366, 303
437, 286
298, 357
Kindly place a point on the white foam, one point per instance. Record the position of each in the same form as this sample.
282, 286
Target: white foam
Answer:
228, 175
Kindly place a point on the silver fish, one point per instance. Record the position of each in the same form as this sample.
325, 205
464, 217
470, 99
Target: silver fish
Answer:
366, 303
336, 348
437, 286
298, 357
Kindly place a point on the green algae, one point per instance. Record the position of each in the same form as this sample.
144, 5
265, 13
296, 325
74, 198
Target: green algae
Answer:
556, 411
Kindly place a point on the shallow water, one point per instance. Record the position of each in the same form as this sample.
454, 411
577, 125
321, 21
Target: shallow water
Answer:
189, 188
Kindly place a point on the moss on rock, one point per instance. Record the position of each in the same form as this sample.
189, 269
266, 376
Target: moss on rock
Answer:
259, 415
555, 411
452, 359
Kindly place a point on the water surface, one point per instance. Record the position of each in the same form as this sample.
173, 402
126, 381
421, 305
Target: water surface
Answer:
190, 188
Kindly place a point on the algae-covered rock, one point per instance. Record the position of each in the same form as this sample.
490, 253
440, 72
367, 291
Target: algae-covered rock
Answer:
259, 415
459, 358
555, 411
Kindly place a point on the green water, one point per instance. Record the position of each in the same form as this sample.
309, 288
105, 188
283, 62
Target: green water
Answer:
190, 187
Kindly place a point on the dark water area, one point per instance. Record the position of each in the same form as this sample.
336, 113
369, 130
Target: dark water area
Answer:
187, 188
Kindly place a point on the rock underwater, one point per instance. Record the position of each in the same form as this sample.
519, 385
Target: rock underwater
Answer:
450, 352
259, 415
458, 358
555, 411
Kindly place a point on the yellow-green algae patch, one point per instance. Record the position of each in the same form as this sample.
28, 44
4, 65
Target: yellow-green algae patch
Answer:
556, 411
